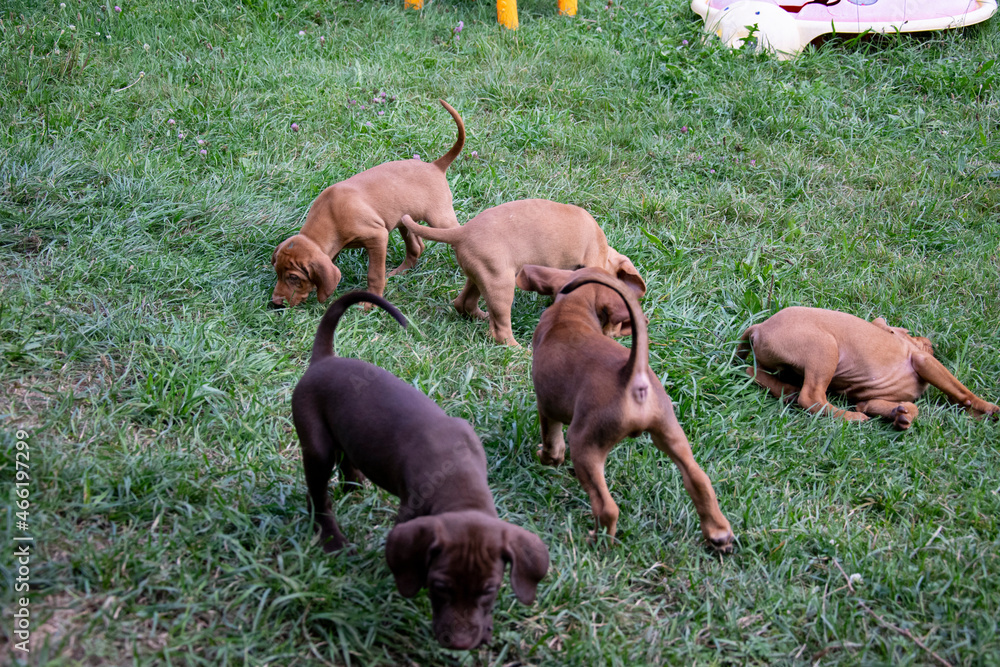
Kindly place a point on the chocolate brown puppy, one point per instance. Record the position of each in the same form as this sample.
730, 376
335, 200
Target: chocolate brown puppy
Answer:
448, 536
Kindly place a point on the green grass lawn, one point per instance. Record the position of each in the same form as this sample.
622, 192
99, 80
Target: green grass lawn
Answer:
168, 506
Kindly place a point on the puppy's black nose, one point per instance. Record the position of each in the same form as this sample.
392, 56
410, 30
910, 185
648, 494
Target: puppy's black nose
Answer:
275, 305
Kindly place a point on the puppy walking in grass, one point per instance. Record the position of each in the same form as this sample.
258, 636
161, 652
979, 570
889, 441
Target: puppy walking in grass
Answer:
448, 536
605, 392
493, 246
359, 213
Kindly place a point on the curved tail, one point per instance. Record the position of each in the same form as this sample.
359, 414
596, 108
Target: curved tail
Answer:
446, 159
635, 372
323, 343
449, 236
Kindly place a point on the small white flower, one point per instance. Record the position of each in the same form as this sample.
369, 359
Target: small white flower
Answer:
145, 47
856, 578
72, 27
62, 5
302, 33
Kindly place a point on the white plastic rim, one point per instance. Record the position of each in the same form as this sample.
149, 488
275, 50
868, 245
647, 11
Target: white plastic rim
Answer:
786, 33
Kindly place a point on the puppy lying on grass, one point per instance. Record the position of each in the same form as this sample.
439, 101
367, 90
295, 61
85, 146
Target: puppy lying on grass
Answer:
801, 353
448, 536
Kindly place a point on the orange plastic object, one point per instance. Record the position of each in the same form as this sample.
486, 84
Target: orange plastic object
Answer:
507, 10
507, 13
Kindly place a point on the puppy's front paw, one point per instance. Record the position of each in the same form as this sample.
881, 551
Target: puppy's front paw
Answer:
902, 415
724, 545
720, 539
852, 416
334, 544
600, 536
984, 409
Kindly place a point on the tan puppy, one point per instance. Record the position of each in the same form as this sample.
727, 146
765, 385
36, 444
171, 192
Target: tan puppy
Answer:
605, 392
493, 246
800, 353
359, 213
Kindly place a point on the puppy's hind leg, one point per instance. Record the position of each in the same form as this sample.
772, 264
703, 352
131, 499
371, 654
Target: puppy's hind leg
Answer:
467, 302
552, 451
588, 463
414, 248
901, 414
816, 380
499, 301
318, 460
669, 438
780, 390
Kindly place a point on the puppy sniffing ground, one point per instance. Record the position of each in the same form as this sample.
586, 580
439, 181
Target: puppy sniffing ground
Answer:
448, 537
359, 213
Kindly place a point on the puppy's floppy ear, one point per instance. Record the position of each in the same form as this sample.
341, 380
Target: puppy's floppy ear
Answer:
529, 561
324, 275
274, 256
409, 550
541, 279
625, 271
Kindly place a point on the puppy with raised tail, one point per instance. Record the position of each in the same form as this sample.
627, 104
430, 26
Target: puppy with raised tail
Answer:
801, 353
493, 246
359, 213
448, 536
604, 391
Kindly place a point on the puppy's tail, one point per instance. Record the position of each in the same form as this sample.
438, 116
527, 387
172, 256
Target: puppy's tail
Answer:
635, 374
446, 159
323, 343
450, 236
